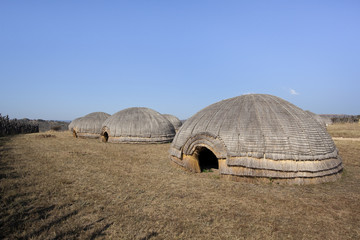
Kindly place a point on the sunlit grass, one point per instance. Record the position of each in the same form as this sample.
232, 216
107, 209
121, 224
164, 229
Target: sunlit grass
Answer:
54, 186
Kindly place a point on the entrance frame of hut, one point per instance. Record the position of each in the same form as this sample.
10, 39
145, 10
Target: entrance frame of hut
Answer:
206, 158
105, 137
194, 147
75, 135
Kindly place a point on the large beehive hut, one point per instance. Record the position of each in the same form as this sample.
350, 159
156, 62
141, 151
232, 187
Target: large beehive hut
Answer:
88, 126
174, 120
257, 137
137, 125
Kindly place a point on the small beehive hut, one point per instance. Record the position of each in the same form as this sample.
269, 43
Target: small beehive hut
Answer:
88, 126
257, 137
174, 121
137, 125
72, 124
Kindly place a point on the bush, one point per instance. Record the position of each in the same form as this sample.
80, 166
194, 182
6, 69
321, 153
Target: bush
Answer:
346, 119
56, 128
14, 126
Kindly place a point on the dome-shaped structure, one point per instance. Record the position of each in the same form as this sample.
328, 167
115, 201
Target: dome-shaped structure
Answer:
72, 124
88, 126
257, 136
174, 121
136, 125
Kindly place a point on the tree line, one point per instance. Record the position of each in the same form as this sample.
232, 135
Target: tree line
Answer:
346, 119
14, 126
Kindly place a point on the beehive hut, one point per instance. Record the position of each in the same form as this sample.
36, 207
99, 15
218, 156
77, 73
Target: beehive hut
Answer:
88, 126
137, 125
257, 137
72, 124
174, 121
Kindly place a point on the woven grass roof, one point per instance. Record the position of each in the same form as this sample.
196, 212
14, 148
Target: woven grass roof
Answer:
259, 131
90, 123
174, 120
138, 124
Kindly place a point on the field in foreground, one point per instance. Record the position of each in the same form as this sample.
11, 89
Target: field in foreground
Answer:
56, 187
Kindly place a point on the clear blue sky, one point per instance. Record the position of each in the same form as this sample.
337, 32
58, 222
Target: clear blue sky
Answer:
64, 59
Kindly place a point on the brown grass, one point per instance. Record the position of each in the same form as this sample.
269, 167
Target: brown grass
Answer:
346, 130
64, 188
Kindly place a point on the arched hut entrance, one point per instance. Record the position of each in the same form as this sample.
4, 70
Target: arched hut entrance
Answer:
203, 152
74, 133
206, 159
105, 137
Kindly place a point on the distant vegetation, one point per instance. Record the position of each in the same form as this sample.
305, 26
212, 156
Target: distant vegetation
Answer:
345, 119
340, 118
14, 126
46, 125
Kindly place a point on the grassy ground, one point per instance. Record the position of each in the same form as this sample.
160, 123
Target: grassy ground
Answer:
56, 187
346, 130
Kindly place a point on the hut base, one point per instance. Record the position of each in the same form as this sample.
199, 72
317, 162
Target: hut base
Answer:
88, 135
161, 139
190, 163
287, 181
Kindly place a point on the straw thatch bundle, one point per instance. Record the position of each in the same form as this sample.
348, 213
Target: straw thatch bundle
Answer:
260, 137
137, 125
88, 126
174, 121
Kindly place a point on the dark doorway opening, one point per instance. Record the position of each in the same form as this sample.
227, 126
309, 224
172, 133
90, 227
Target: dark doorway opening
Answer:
207, 159
105, 137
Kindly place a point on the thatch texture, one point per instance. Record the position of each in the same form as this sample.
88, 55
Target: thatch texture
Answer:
137, 125
317, 118
174, 121
88, 126
261, 136
72, 124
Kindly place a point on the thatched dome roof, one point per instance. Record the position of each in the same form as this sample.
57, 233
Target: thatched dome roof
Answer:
90, 123
98, 115
174, 120
137, 124
263, 135
73, 123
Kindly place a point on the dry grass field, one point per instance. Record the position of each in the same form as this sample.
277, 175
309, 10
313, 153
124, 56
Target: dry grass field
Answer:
345, 130
56, 187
